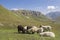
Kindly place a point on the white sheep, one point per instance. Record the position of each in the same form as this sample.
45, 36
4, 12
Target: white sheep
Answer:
25, 27
39, 30
49, 34
33, 29
46, 28
36, 29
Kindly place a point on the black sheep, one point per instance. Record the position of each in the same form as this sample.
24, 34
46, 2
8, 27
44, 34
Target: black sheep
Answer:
21, 28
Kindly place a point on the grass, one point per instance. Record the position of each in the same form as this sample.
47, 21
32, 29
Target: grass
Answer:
12, 34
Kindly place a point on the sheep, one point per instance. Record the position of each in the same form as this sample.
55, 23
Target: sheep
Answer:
39, 30
48, 34
46, 28
33, 29
27, 28
20, 28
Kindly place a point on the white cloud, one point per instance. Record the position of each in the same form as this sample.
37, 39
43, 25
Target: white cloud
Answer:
51, 7
14, 9
18, 9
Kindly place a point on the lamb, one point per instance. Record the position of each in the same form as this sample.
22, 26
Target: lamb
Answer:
49, 34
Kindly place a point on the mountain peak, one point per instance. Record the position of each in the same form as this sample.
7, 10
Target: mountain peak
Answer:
54, 15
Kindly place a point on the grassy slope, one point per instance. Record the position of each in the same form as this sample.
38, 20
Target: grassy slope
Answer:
58, 19
10, 20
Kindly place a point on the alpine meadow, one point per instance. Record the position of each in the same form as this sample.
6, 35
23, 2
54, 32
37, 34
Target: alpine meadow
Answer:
10, 19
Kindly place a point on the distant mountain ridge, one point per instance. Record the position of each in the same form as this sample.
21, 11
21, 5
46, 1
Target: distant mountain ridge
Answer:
27, 12
35, 14
54, 15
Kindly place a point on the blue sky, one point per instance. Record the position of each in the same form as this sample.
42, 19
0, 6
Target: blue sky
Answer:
37, 5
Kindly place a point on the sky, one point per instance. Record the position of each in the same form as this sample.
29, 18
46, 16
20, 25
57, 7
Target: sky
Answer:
37, 5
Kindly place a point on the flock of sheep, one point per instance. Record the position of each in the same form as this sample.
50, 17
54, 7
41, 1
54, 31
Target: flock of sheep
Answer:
42, 30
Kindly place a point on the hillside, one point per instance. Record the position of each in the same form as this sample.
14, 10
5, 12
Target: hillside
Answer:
7, 18
54, 15
10, 19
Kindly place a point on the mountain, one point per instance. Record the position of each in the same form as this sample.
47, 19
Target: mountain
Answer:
54, 15
34, 14
10, 19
